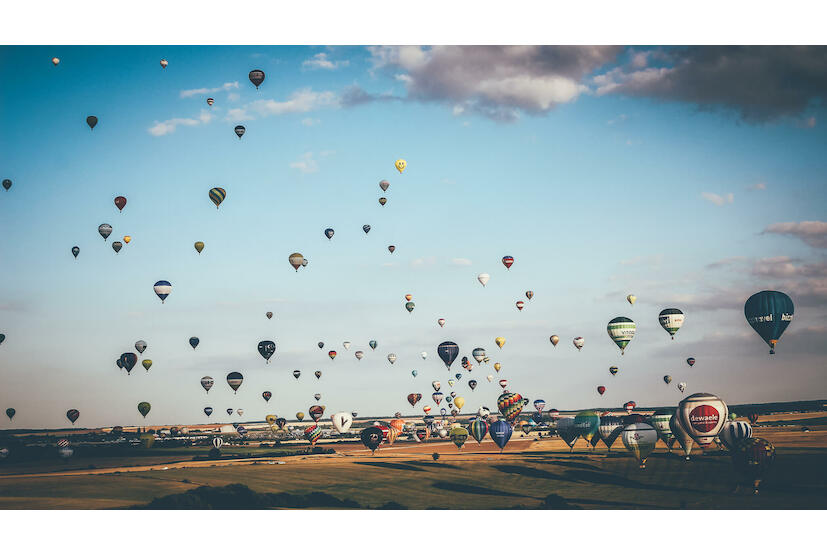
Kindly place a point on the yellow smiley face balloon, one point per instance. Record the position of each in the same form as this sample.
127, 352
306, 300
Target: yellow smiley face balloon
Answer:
400, 165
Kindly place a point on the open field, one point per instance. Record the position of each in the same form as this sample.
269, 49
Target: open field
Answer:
530, 473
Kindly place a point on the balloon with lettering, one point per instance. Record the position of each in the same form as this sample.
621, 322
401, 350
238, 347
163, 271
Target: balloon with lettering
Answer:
702, 415
671, 319
769, 312
500, 432
640, 440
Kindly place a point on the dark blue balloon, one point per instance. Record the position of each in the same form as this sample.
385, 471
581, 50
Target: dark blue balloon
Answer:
448, 352
328, 233
500, 432
769, 312
128, 360
194, 342
366, 228
266, 348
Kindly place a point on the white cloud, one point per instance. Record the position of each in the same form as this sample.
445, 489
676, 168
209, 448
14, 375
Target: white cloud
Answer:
757, 186
161, 128
233, 97
422, 262
195, 91
813, 233
309, 121
306, 164
461, 261
320, 61
619, 119
717, 199
301, 101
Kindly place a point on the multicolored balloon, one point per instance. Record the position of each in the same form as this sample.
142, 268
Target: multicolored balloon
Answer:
217, 195
671, 319
702, 415
508, 261
510, 404
234, 379
162, 289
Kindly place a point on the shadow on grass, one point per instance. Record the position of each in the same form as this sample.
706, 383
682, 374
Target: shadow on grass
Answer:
532, 472
473, 489
435, 465
596, 478
390, 465
241, 497
566, 463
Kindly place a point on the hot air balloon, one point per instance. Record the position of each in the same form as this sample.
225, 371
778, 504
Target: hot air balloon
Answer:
529, 294
269, 315
313, 434
127, 239
207, 382
578, 342
426, 409
601, 389
372, 344
281, 422
567, 431
680, 434
316, 412
164, 63
497, 366
702, 415
2, 338
410, 306
458, 436
359, 354
371, 437
629, 406
510, 405
554, 339
116, 246
147, 364
128, 361
300, 415
140, 346
256, 77
240, 130
391, 248
91, 121
499, 341
459, 401
483, 278
413, 398
320, 345
660, 422
194, 341
640, 440
72, 415
332, 354
162, 289
199, 246
383, 201
478, 429
266, 348
217, 195
472, 383
681, 386
769, 312
587, 423
503, 383
267, 395
75, 251
317, 396
667, 379
120, 202
753, 417
210, 101
55, 61
342, 421
329, 233
671, 319
366, 228
448, 352
391, 358
609, 429
296, 373
752, 459
690, 361
500, 432
520, 305
613, 370
733, 433
296, 260
143, 408
437, 397
234, 379
441, 322
7, 184
621, 330
10, 413
508, 261
400, 165
631, 299
383, 184
479, 354
208, 410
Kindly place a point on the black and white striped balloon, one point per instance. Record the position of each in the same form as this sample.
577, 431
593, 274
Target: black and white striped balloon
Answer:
734, 432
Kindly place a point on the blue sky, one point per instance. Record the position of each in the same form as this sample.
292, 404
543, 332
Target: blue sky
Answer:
602, 171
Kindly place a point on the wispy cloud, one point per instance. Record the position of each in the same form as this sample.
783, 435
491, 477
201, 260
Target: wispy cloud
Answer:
199, 91
309, 121
619, 119
161, 128
301, 101
461, 261
813, 233
423, 262
757, 186
717, 199
321, 61
306, 164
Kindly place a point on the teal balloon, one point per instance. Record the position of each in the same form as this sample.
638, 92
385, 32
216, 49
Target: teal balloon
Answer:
769, 312
587, 424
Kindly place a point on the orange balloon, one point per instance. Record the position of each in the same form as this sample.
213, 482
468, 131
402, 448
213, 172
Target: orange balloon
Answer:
127, 239
408, 297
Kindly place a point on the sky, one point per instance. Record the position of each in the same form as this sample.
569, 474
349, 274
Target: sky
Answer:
690, 177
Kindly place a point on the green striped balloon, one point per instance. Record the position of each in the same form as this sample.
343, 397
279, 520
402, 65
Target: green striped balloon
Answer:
621, 330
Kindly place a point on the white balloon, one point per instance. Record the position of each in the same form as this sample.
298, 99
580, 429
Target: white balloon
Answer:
640, 439
391, 357
483, 278
342, 421
702, 415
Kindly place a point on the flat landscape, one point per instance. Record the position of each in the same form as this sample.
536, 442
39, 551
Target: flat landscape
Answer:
530, 473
